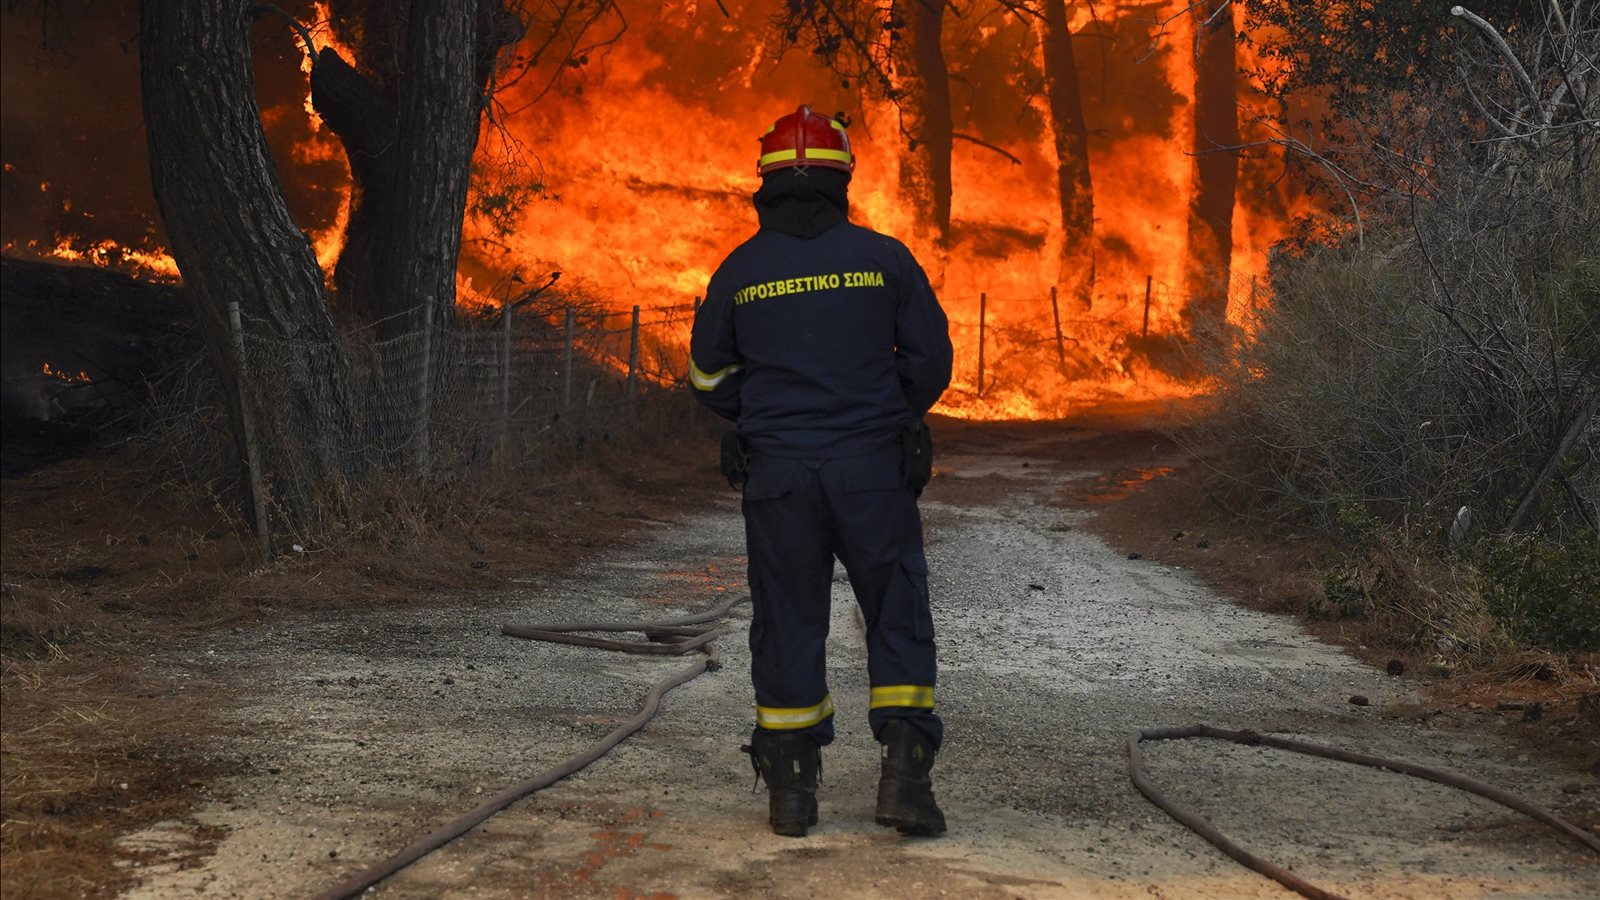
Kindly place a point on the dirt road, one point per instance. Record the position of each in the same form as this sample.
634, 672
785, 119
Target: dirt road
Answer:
367, 730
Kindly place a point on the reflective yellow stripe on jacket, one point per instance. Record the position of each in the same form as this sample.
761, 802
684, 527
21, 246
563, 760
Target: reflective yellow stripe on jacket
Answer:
708, 382
916, 696
785, 718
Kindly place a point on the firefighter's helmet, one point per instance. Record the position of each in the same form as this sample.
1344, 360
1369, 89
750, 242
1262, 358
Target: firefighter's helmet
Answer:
804, 138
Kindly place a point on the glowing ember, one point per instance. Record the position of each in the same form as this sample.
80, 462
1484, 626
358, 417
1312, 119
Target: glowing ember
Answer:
67, 377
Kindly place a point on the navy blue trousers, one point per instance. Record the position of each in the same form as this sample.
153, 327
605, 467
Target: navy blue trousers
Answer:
799, 515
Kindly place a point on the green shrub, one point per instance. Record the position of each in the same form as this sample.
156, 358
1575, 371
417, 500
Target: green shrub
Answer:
1547, 594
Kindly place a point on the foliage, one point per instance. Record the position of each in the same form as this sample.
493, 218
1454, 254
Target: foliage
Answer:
1548, 594
1363, 48
1432, 352
1426, 379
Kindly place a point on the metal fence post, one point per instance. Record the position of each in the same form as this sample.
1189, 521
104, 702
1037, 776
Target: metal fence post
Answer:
1055, 313
247, 422
505, 379
1145, 330
983, 327
633, 354
424, 390
566, 362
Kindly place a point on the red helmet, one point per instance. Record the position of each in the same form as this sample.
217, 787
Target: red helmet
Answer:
803, 138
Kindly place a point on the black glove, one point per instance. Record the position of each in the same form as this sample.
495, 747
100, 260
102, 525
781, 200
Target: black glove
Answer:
735, 460
916, 455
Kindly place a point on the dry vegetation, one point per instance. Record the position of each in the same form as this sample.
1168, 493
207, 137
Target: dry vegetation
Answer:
1425, 387
106, 557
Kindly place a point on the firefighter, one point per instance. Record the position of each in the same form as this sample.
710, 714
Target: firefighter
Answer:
823, 341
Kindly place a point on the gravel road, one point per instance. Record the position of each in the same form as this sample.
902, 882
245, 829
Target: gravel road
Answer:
361, 731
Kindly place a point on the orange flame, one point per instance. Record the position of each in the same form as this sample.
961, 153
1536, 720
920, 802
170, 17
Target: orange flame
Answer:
67, 377
653, 163
154, 264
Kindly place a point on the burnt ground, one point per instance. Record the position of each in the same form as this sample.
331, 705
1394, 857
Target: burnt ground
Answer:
331, 737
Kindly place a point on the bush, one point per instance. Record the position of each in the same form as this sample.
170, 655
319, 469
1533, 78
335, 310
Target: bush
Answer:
1438, 351
1426, 378
1547, 594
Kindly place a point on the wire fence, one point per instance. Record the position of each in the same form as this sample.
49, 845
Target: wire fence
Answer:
503, 391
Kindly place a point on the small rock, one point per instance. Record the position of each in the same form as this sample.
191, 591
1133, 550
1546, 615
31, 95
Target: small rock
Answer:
1572, 788
1395, 668
1359, 700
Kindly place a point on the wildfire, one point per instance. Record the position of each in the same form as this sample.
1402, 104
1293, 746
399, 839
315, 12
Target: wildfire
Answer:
153, 264
654, 174
65, 377
644, 170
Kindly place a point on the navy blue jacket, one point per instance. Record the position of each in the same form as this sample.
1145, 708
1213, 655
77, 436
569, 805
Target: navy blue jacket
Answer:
820, 348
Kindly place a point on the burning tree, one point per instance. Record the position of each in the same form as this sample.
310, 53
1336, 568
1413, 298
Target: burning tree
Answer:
1209, 262
408, 111
893, 52
1071, 132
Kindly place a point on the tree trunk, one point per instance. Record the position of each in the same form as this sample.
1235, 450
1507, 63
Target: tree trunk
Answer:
439, 106
365, 122
407, 112
922, 93
1216, 171
234, 241
1075, 188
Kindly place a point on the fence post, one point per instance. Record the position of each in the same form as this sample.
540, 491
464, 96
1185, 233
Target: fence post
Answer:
566, 362
1055, 312
633, 353
983, 326
1145, 330
424, 390
505, 380
252, 455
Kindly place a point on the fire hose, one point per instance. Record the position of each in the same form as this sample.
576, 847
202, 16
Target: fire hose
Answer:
680, 636
672, 637
1194, 822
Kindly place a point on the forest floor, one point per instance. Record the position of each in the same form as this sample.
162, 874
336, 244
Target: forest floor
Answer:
297, 747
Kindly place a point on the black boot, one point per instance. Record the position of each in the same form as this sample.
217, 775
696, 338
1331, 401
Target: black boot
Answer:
790, 763
905, 792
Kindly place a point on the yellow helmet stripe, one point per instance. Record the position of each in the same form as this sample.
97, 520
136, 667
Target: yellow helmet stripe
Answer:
776, 156
788, 718
835, 155
916, 696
